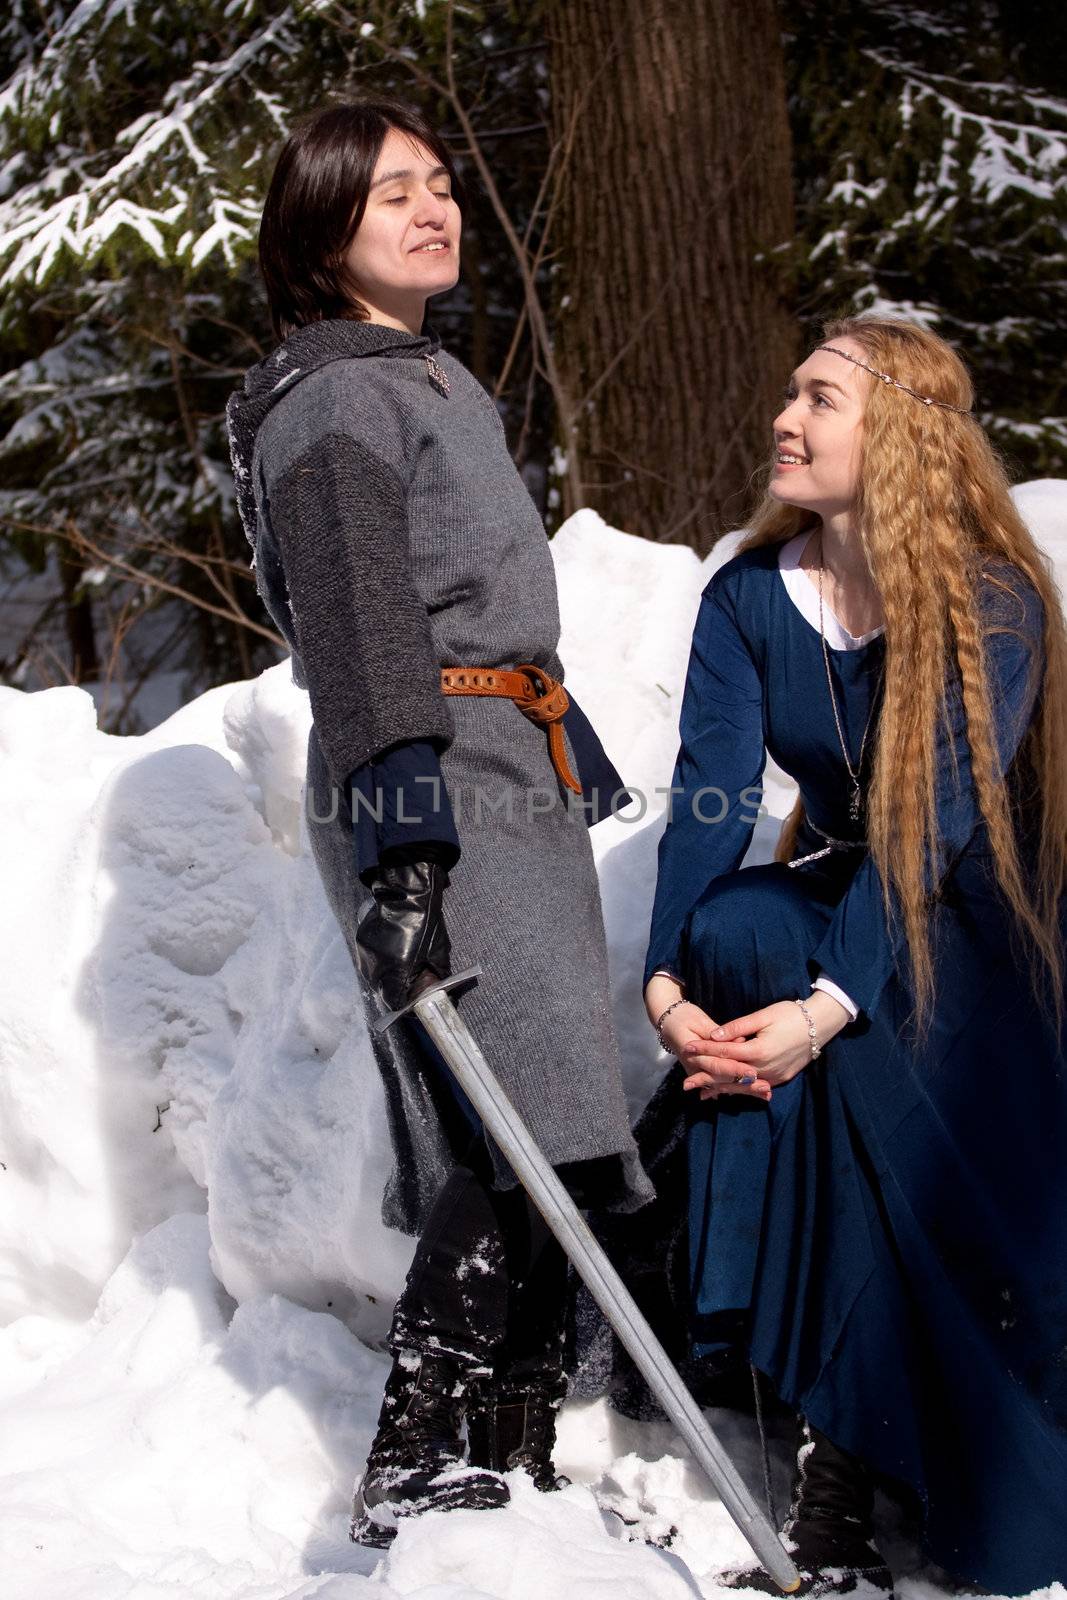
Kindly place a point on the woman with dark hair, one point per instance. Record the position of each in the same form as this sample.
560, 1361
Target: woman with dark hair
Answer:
407, 567
872, 1026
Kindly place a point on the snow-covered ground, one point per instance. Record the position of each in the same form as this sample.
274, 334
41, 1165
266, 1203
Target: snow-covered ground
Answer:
194, 1278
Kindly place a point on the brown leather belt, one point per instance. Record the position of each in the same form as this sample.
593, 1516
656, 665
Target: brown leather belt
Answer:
537, 694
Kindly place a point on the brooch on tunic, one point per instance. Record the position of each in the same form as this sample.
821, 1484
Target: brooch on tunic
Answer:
437, 374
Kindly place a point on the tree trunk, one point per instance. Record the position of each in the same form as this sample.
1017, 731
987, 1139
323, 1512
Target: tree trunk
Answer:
78, 615
672, 328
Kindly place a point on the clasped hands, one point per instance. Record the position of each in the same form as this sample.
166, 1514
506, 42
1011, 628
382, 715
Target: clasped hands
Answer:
769, 1046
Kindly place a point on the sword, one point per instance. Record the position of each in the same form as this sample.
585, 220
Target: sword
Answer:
438, 1015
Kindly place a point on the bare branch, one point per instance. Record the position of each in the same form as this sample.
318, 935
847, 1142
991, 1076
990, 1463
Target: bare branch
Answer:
107, 558
535, 310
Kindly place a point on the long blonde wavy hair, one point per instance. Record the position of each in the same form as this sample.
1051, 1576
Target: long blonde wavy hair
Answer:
932, 505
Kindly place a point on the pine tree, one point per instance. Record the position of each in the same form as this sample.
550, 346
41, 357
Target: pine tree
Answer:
931, 183
134, 139
135, 147
136, 144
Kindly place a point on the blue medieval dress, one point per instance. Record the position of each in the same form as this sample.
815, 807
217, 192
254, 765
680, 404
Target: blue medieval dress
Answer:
889, 1233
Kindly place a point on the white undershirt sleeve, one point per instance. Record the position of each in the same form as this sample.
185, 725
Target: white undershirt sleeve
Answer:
831, 988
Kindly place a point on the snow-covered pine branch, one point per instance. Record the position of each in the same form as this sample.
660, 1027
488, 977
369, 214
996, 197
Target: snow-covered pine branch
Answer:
180, 179
932, 183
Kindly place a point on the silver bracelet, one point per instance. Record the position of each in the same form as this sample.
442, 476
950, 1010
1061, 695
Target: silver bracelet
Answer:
816, 1048
658, 1024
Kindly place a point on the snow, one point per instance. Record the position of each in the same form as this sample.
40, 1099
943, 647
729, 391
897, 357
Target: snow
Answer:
195, 1282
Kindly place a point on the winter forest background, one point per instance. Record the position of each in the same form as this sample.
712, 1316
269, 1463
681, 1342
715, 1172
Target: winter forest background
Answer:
665, 201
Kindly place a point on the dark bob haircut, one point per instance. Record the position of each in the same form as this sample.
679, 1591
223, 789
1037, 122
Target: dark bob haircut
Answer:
315, 203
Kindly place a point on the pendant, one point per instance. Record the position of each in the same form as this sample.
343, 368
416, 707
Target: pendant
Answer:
816, 855
854, 803
437, 375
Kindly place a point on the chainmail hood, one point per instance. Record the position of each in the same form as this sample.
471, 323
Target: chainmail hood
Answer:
305, 350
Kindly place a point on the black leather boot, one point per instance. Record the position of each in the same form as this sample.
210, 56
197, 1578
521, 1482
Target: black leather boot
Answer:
828, 1529
512, 1423
416, 1462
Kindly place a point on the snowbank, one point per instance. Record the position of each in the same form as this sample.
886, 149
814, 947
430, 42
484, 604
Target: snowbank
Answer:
194, 1278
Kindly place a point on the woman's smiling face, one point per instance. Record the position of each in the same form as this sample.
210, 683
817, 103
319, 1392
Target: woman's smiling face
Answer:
818, 432
407, 244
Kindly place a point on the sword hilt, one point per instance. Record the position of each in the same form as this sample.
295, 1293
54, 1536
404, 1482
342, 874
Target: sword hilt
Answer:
457, 980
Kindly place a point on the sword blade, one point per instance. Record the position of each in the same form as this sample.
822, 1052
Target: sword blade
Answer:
460, 1050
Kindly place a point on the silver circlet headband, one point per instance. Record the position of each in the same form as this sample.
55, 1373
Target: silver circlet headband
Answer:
927, 399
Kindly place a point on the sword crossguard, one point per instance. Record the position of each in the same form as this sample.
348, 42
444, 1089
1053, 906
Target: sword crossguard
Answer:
457, 980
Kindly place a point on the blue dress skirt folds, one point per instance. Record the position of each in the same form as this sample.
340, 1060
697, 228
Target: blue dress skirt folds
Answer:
890, 1232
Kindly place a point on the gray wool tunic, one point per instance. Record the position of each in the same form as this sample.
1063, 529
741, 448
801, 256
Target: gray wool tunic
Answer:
393, 536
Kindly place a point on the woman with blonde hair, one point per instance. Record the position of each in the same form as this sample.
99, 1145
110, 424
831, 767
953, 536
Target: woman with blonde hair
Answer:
872, 1025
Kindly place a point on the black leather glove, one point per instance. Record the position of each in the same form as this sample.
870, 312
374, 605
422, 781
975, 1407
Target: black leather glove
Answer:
402, 942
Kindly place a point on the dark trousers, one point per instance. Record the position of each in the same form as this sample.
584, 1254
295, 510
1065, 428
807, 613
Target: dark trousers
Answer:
488, 1283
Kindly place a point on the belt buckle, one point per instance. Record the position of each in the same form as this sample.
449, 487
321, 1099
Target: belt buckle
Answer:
532, 680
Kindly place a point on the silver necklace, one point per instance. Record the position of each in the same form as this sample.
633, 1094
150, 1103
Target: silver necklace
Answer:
856, 802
